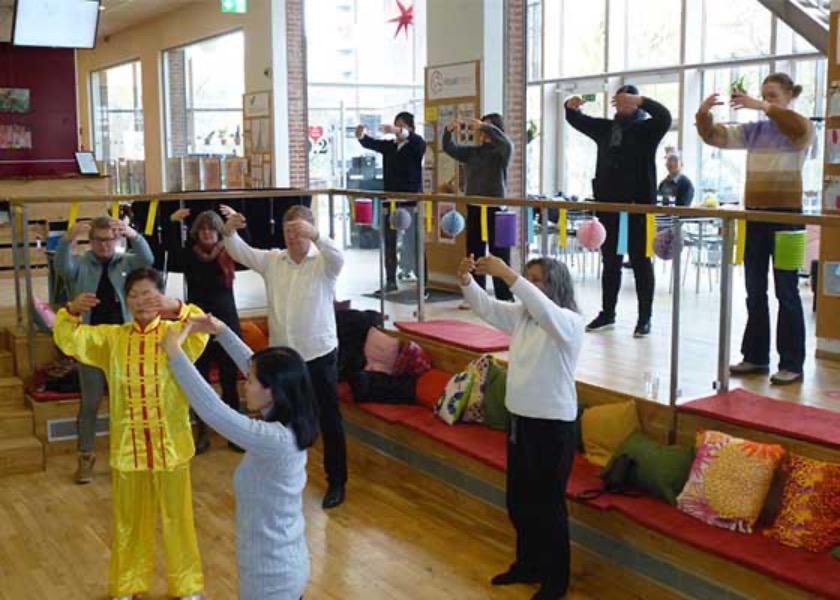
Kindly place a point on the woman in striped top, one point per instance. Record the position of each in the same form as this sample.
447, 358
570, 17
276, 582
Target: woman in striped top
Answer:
776, 150
271, 545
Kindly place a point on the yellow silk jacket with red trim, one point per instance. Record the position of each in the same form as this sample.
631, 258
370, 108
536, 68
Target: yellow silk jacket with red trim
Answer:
149, 414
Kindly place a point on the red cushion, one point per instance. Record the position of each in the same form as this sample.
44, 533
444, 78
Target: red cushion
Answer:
744, 408
478, 338
412, 360
430, 386
390, 413
34, 391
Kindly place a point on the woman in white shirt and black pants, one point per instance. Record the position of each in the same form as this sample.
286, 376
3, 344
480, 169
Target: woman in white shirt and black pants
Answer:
546, 338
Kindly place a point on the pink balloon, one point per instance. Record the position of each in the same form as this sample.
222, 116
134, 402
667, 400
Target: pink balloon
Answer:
591, 234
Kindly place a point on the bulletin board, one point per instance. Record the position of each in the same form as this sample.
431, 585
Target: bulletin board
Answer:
259, 139
453, 91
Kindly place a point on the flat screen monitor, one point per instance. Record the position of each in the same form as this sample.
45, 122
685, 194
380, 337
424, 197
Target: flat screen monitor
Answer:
87, 163
56, 23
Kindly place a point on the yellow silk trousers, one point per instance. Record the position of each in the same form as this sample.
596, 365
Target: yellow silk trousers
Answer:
138, 497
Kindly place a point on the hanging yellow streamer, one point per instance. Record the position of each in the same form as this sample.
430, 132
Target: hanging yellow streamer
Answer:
485, 234
353, 211
563, 228
429, 209
115, 209
650, 222
393, 206
150, 219
740, 241
74, 214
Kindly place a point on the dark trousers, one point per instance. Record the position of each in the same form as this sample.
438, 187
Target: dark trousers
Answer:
478, 248
540, 454
391, 245
324, 374
790, 324
642, 265
215, 354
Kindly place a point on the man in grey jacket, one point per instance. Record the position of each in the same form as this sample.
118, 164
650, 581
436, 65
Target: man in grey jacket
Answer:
101, 271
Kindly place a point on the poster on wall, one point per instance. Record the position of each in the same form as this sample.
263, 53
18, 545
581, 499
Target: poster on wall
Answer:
831, 279
14, 100
15, 137
452, 81
257, 104
447, 174
831, 194
833, 100
832, 145
442, 209
446, 113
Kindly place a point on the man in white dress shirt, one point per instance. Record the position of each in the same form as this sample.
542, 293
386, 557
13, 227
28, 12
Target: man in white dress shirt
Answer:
300, 286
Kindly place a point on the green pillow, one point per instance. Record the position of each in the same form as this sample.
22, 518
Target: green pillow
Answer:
661, 470
495, 412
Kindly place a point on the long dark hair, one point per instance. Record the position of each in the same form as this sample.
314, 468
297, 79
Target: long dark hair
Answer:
284, 373
556, 281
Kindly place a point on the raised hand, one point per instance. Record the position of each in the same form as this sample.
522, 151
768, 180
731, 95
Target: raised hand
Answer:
490, 265
81, 228
710, 102
301, 229
465, 269
235, 221
626, 102
207, 324
740, 101
227, 211
453, 125
180, 215
159, 303
122, 229
388, 128
82, 303
360, 131
174, 338
474, 124
575, 102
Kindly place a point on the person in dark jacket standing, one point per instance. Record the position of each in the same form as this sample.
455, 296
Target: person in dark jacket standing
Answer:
209, 271
487, 166
625, 172
402, 166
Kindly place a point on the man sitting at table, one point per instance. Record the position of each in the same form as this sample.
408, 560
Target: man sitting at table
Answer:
676, 188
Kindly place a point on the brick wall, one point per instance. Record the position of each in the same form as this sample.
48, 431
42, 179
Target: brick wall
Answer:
515, 91
179, 128
297, 82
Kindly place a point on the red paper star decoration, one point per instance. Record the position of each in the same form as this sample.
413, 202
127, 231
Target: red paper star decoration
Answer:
405, 19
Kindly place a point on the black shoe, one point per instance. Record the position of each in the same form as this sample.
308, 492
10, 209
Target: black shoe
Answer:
235, 448
549, 592
514, 575
333, 497
642, 329
390, 286
627, 264
601, 323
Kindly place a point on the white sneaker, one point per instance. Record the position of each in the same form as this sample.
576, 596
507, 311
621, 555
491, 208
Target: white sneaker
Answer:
464, 305
784, 377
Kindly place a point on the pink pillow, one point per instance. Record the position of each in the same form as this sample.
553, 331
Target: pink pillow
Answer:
381, 351
412, 360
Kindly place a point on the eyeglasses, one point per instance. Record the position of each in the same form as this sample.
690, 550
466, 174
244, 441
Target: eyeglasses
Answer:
99, 240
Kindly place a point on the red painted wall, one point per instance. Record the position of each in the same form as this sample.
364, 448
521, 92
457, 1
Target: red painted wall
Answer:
50, 76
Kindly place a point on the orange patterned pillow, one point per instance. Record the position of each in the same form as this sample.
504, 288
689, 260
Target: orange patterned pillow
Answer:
810, 515
729, 480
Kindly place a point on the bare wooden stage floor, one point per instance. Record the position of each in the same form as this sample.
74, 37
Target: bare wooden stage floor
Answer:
400, 535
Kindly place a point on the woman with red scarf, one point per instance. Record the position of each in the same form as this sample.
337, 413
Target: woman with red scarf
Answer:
209, 273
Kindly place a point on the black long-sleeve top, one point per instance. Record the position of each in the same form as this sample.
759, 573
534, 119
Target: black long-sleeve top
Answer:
487, 164
402, 165
626, 169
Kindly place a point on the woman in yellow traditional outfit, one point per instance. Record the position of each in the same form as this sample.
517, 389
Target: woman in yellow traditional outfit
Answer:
151, 440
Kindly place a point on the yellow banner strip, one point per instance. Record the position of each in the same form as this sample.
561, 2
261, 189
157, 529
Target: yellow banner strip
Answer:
150, 219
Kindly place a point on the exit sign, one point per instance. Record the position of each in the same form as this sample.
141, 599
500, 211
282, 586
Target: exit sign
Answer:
234, 6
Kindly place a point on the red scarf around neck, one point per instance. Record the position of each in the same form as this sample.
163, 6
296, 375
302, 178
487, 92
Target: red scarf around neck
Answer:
219, 254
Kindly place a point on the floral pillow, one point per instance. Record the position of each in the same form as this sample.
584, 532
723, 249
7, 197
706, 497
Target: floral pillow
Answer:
729, 480
411, 360
810, 514
454, 399
474, 413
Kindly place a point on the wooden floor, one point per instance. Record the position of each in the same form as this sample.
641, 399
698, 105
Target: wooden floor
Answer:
400, 535
611, 359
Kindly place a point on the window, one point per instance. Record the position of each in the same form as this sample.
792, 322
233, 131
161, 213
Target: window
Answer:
735, 29
535, 39
204, 84
361, 73
117, 126
584, 38
653, 34
533, 150
580, 153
